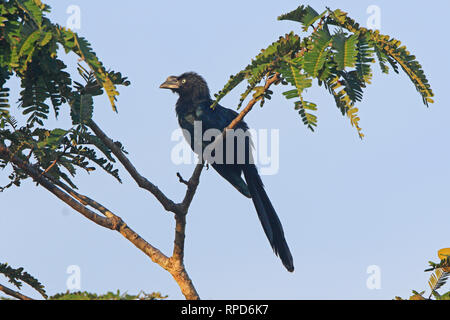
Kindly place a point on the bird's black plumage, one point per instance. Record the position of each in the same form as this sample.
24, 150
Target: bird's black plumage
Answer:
194, 105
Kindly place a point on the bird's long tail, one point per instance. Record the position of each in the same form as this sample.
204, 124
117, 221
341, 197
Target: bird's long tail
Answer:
268, 217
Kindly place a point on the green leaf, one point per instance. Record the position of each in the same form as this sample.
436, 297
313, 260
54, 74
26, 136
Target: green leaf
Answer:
4, 102
363, 59
305, 15
344, 99
16, 276
32, 10
309, 119
291, 72
28, 44
82, 108
53, 139
86, 108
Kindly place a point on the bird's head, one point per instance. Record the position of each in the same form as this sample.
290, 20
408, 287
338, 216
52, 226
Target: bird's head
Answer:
190, 86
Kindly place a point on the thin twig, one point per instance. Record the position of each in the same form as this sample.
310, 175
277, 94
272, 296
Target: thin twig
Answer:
182, 180
320, 23
50, 166
54, 161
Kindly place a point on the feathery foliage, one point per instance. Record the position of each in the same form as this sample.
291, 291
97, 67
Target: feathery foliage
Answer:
438, 279
29, 49
338, 53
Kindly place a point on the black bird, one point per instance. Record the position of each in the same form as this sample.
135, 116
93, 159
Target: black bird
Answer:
194, 104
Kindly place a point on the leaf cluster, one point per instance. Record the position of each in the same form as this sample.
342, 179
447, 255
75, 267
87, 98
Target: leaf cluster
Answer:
18, 276
29, 48
338, 53
440, 272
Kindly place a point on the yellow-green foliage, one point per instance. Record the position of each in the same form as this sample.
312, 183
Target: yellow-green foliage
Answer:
29, 50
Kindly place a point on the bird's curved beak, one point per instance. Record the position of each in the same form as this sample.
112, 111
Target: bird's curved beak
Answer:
170, 83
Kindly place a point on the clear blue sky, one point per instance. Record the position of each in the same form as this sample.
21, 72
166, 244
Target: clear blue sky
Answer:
345, 204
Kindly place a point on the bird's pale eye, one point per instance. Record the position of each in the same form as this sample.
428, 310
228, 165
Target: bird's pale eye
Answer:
183, 81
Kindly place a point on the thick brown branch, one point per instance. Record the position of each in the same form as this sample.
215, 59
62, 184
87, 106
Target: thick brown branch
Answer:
185, 283
119, 225
14, 294
111, 221
50, 166
180, 231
